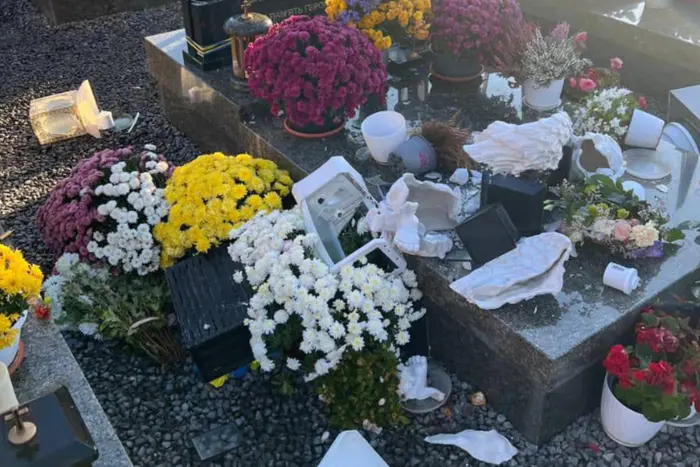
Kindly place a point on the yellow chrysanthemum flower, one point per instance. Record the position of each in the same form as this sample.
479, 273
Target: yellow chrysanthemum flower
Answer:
211, 195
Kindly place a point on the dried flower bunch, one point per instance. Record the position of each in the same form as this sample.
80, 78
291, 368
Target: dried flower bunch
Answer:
660, 375
106, 209
448, 142
600, 210
321, 321
384, 22
607, 111
20, 285
211, 195
464, 28
318, 71
549, 58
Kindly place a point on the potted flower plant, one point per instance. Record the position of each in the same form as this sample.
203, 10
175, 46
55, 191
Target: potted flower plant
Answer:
461, 35
20, 285
600, 210
546, 62
583, 84
318, 71
384, 22
651, 382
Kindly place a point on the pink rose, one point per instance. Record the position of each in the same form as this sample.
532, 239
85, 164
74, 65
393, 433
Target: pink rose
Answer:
587, 84
581, 37
573, 83
616, 64
622, 230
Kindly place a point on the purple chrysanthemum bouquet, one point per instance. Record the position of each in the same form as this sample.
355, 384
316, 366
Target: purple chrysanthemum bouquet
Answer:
105, 209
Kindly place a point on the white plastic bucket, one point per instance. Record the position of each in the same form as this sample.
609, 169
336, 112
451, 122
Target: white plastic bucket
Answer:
543, 98
623, 425
383, 132
645, 130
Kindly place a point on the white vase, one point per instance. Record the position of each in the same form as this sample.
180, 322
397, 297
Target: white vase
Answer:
543, 98
8, 354
644, 130
383, 132
624, 425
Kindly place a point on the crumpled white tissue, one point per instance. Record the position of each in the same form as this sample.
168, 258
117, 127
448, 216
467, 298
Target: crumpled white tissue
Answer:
486, 446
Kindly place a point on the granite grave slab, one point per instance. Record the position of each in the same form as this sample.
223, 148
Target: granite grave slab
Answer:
537, 361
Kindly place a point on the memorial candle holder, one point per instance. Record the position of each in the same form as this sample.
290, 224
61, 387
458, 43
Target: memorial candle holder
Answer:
207, 42
242, 31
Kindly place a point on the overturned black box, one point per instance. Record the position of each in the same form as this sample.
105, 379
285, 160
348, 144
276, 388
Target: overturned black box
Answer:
488, 234
208, 45
210, 307
522, 199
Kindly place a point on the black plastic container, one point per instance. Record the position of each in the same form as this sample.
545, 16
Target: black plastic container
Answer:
488, 234
211, 308
522, 199
208, 45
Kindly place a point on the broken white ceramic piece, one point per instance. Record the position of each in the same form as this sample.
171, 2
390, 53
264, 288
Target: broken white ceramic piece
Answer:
413, 380
350, 449
438, 204
486, 446
460, 176
513, 149
534, 267
434, 245
433, 176
408, 232
596, 153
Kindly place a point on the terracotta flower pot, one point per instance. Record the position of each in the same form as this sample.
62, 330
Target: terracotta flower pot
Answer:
313, 131
8, 354
451, 67
622, 424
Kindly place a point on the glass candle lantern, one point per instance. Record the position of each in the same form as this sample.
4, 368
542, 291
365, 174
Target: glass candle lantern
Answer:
243, 30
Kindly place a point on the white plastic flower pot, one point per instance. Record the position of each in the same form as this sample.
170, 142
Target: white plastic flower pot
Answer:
623, 425
383, 132
644, 130
8, 354
543, 98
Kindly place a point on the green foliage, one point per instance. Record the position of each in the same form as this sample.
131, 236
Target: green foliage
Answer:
129, 307
355, 389
653, 403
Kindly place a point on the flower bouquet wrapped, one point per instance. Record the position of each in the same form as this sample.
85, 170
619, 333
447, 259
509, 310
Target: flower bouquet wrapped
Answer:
20, 286
601, 211
607, 111
316, 70
384, 21
106, 209
211, 195
342, 330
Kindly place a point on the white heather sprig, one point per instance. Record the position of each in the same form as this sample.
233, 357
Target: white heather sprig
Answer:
607, 111
547, 59
136, 206
338, 312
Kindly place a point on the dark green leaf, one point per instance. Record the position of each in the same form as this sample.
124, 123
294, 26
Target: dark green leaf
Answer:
673, 235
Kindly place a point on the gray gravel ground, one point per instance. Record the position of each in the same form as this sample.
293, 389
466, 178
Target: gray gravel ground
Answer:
156, 412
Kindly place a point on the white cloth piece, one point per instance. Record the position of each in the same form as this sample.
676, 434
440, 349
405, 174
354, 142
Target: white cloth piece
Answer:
534, 267
485, 446
413, 380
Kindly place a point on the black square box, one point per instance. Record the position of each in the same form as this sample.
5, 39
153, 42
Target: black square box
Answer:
522, 199
488, 234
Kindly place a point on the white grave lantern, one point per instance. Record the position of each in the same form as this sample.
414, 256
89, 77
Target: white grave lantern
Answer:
329, 197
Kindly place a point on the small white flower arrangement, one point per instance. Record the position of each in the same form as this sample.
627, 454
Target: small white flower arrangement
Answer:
133, 199
360, 306
607, 111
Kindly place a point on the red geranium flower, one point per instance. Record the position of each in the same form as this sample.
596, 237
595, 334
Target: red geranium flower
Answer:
617, 362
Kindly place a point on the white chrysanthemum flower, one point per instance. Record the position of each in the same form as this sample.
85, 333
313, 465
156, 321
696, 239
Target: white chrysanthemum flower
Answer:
293, 364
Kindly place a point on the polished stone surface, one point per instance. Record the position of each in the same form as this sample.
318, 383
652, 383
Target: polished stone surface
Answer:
660, 47
533, 352
65, 11
48, 365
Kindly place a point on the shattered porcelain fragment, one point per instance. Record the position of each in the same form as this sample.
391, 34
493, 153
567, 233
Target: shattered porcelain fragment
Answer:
438, 204
433, 176
535, 267
662, 188
486, 446
513, 149
460, 176
596, 153
435, 245
467, 265
408, 232
150, 147
476, 176
478, 399
413, 382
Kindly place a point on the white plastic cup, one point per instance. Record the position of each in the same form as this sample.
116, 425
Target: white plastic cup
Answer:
621, 278
644, 130
383, 132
